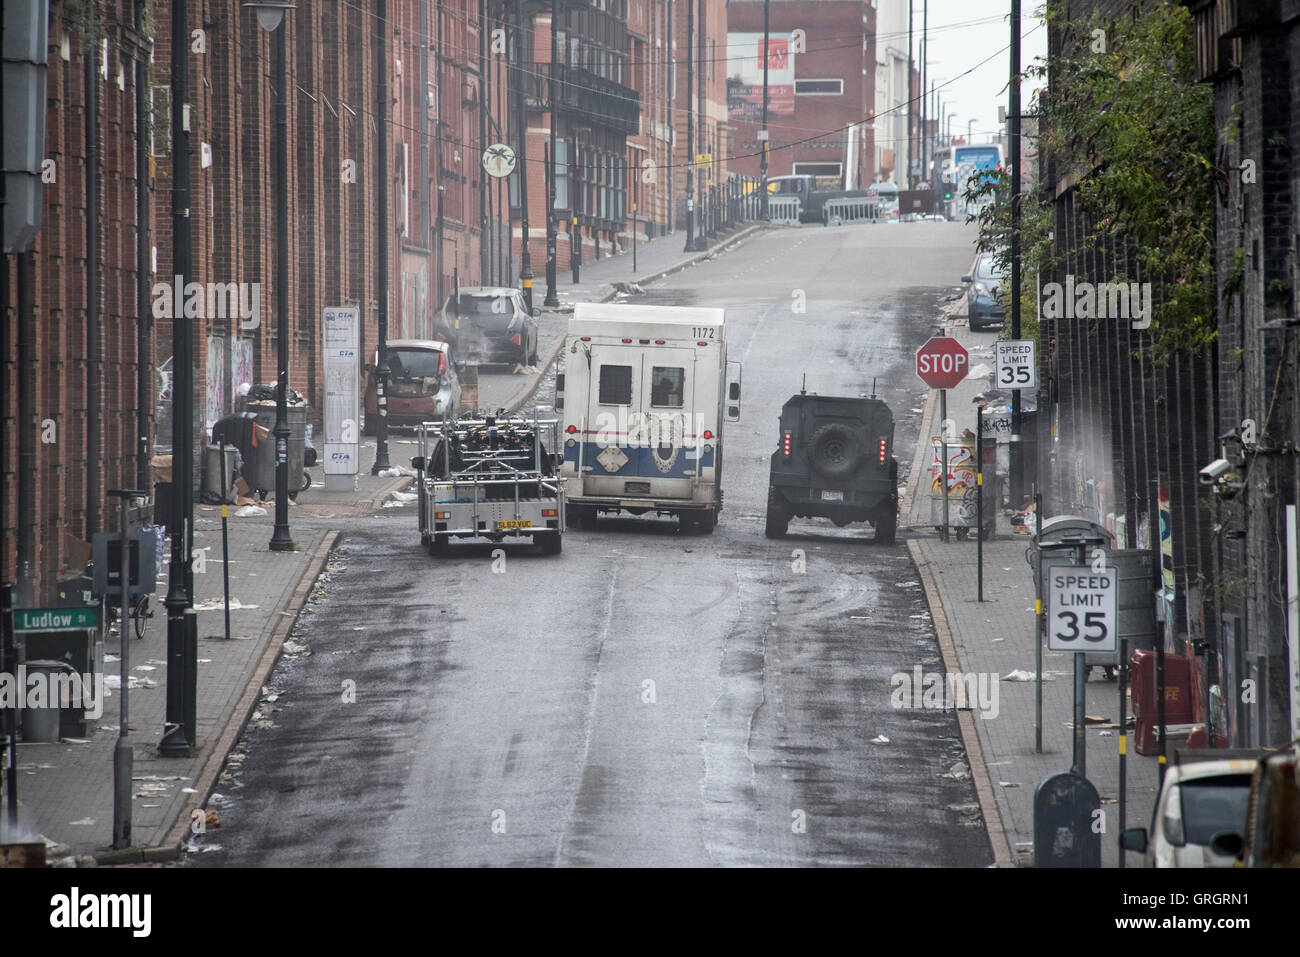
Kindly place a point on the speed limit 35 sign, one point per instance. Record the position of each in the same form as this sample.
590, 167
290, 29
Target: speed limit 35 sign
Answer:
1016, 368
1081, 605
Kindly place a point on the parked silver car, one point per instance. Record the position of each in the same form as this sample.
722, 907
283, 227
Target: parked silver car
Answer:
489, 324
423, 385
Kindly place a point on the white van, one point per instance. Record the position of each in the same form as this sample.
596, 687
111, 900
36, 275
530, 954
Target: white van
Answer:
644, 394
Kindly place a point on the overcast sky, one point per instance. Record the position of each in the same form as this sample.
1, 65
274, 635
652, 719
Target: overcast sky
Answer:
957, 45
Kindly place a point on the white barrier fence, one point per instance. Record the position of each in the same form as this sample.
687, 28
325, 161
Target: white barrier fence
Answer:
784, 209
837, 212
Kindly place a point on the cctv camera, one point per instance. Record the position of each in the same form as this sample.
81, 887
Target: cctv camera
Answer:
1215, 471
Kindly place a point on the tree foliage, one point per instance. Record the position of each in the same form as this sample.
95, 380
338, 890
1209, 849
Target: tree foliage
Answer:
1123, 114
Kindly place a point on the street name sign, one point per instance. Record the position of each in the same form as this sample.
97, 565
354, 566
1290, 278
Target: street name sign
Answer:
56, 619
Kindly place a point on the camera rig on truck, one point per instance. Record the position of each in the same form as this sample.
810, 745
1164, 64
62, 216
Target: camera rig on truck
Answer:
488, 475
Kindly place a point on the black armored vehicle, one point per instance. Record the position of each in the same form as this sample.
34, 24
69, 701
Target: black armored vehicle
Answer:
834, 459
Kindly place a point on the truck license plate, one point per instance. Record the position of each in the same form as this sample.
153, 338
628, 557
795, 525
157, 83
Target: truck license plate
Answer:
514, 523
832, 496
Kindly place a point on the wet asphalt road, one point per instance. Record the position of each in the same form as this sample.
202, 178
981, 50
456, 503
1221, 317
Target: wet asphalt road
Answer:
649, 697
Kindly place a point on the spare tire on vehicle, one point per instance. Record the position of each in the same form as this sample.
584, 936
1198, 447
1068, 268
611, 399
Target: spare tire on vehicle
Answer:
835, 451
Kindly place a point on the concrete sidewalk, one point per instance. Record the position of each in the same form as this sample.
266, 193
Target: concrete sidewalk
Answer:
997, 637
66, 790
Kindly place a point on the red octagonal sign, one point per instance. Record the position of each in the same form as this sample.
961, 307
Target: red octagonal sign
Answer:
942, 362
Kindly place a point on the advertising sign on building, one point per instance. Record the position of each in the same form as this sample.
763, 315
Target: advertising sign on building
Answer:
745, 82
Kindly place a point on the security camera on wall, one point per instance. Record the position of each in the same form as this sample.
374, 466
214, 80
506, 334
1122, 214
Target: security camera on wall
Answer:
1215, 471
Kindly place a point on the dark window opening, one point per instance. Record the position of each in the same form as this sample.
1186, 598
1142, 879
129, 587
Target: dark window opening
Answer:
667, 387
615, 385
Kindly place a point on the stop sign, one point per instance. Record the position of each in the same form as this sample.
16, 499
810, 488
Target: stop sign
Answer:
942, 362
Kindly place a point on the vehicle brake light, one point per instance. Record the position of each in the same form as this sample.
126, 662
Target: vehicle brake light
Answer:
586, 338
702, 342
442, 515
515, 338
708, 433
442, 362
550, 512
644, 342
626, 341
882, 450
571, 429
659, 342
785, 444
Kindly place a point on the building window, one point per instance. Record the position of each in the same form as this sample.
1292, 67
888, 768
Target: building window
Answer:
561, 174
818, 169
819, 87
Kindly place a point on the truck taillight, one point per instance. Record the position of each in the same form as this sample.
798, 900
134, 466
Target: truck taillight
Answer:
550, 512
571, 429
708, 433
882, 451
785, 444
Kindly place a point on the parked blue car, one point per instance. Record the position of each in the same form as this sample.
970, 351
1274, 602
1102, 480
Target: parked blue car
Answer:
984, 302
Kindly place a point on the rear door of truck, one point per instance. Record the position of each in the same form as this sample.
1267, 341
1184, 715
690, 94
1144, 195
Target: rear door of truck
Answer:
640, 441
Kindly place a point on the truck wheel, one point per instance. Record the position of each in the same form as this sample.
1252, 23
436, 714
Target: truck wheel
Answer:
887, 527
580, 516
706, 521
835, 451
778, 522
550, 544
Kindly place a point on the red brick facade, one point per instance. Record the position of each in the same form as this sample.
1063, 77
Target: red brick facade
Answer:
332, 194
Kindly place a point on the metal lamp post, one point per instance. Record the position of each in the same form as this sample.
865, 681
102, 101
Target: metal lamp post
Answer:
270, 16
552, 225
763, 134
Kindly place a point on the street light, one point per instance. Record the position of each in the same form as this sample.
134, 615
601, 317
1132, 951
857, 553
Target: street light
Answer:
270, 17
552, 225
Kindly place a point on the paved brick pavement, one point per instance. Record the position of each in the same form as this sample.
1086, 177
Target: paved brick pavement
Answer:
997, 636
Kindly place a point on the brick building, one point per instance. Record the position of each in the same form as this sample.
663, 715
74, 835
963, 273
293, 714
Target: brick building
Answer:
1250, 53
613, 115
73, 357
1126, 432
821, 88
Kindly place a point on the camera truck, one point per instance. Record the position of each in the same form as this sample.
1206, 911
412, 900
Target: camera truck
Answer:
488, 477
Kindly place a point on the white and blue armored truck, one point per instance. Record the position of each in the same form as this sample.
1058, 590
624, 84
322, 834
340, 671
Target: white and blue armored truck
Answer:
644, 395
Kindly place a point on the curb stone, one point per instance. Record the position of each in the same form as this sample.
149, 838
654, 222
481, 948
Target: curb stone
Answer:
997, 831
